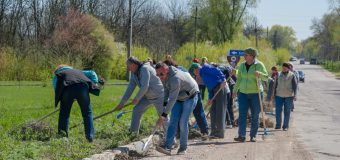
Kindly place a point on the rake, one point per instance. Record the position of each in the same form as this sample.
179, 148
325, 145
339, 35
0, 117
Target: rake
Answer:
100, 116
42, 118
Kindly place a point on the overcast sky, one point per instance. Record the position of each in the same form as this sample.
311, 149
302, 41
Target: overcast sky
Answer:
295, 13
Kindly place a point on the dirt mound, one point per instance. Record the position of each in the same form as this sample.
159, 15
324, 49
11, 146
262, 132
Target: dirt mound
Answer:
41, 132
193, 134
131, 156
269, 123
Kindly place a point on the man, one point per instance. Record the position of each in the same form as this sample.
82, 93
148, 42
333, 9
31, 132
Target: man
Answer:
181, 94
215, 81
285, 94
151, 91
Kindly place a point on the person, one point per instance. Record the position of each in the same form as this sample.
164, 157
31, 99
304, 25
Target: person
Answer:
285, 94
70, 84
202, 86
227, 71
215, 81
296, 74
181, 95
198, 112
247, 90
151, 91
271, 86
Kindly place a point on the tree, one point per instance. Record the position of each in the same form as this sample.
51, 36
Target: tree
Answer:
223, 17
82, 36
282, 37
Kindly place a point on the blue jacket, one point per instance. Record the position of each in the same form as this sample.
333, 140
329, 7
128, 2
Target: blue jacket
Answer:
212, 77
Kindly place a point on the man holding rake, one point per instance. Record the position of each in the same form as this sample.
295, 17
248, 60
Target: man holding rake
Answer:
151, 91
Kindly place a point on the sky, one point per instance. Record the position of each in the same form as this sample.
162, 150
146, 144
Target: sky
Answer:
295, 13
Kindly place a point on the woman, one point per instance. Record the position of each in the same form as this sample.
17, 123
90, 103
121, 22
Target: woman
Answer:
247, 90
70, 84
285, 94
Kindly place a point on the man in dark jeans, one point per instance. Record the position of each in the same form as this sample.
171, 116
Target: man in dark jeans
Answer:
71, 84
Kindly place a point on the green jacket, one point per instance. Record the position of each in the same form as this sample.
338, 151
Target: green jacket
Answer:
246, 81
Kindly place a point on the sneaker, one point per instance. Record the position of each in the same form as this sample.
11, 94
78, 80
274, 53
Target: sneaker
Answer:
240, 139
252, 139
163, 150
277, 127
182, 151
175, 144
229, 126
285, 129
205, 136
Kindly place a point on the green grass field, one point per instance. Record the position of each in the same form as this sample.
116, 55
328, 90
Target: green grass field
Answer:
21, 105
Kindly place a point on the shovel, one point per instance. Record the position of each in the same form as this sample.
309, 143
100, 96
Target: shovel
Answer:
120, 114
145, 148
265, 130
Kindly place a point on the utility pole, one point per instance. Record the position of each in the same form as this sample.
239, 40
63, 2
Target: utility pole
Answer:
337, 51
256, 43
128, 74
195, 41
267, 33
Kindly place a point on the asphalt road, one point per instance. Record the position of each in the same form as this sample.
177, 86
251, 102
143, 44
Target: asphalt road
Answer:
314, 132
317, 113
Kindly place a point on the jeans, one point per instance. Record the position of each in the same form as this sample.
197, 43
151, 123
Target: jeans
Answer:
245, 101
80, 92
180, 114
230, 110
286, 104
140, 109
202, 90
200, 117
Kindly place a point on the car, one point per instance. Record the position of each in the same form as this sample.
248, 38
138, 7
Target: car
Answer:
301, 76
302, 61
313, 61
293, 59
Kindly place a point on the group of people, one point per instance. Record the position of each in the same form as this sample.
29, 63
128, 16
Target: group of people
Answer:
176, 93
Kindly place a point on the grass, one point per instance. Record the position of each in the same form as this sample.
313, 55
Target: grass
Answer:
25, 104
333, 67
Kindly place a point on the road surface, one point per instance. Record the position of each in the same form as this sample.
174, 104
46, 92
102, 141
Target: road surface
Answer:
314, 131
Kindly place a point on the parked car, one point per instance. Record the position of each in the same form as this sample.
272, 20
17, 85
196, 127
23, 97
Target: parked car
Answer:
302, 61
313, 61
293, 59
301, 76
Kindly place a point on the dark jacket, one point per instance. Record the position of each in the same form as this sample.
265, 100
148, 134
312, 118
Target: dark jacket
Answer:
70, 77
